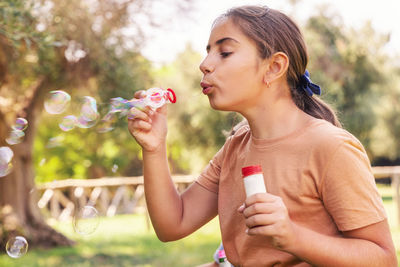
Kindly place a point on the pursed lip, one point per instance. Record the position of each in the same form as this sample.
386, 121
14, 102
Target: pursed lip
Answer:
206, 87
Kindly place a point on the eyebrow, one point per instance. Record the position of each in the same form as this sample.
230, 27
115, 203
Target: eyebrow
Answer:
220, 41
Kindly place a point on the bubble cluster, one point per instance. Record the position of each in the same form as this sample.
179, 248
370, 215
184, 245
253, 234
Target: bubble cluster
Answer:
119, 107
17, 134
20, 124
16, 247
6, 155
57, 102
86, 220
15, 137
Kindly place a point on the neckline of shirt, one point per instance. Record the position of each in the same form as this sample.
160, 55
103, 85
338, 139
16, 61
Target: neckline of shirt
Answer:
262, 143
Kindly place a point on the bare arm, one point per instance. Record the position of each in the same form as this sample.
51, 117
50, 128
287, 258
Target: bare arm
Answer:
371, 245
367, 246
173, 215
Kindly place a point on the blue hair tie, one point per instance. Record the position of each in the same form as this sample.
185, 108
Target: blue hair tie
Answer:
306, 84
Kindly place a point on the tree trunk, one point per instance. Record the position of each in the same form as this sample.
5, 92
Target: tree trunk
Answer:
19, 213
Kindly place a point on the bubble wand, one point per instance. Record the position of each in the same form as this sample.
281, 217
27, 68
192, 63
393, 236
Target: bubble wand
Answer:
153, 98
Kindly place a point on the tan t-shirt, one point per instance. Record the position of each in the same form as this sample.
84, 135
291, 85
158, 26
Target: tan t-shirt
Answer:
321, 172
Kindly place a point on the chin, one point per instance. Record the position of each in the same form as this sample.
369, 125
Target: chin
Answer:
219, 106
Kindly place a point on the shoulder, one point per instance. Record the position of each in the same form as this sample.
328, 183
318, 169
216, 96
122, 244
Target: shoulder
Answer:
330, 138
239, 137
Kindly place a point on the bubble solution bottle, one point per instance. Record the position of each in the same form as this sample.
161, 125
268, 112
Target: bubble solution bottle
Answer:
253, 180
223, 261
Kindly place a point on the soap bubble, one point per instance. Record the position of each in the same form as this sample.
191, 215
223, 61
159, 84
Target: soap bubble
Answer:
15, 137
68, 123
107, 122
6, 155
20, 124
118, 104
82, 123
89, 109
55, 141
89, 113
17, 247
86, 221
57, 102
114, 168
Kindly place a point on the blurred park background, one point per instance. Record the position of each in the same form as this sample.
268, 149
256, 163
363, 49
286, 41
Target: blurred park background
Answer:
103, 49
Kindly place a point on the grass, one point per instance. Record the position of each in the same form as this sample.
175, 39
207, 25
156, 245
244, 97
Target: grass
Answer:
124, 240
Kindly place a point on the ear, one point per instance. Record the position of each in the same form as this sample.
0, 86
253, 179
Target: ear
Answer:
277, 67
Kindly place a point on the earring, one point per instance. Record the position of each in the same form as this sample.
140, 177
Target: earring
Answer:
268, 84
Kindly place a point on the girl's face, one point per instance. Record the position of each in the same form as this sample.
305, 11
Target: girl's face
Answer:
232, 70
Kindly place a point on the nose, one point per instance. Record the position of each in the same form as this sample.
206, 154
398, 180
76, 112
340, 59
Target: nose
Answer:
206, 66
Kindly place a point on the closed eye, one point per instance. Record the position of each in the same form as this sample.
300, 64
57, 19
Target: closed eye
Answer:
225, 54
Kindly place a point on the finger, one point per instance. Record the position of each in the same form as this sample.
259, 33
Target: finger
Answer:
259, 230
139, 126
135, 114
260, 197
259, 208
259, 220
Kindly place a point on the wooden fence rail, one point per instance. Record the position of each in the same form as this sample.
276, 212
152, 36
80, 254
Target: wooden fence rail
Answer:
110, 196
121, 195
392, 172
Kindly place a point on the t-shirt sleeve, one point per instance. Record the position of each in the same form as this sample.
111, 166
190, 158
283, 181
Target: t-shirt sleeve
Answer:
348, 188
209, 177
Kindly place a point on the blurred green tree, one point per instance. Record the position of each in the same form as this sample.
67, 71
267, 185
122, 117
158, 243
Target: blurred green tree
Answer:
349, 64
83, 48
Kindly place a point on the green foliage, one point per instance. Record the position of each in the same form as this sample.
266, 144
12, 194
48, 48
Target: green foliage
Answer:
17, 23
349, 66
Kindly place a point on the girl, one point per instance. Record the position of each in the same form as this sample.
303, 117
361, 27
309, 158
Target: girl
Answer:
322, 206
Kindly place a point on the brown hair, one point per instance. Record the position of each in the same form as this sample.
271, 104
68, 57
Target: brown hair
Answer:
273, 31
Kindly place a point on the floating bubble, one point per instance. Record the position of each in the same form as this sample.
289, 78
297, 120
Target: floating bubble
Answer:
55, 141
89, 114
137, 103
57, 102
5, 168
114, 168
17, 247
82, 123
118, 104
15, 137
68, 123
89, 109
42, 162
107, 122
20, 124
86, 221
6, 155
